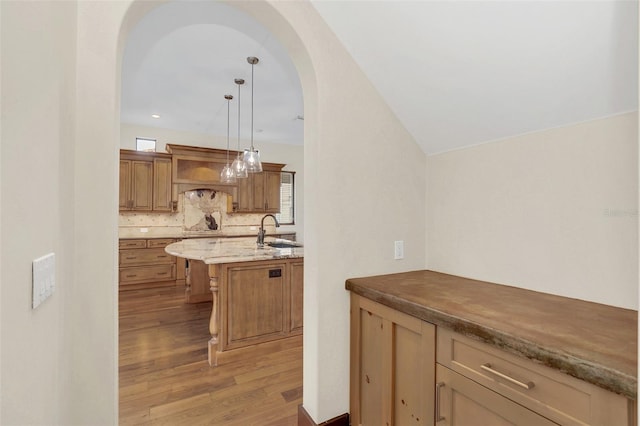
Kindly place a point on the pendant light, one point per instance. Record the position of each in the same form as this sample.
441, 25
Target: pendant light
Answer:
252, 156
239, 167
228, 175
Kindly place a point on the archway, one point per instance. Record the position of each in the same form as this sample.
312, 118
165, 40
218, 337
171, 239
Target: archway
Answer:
277, 24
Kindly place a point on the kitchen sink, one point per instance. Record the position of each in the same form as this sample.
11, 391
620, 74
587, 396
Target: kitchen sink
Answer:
283, 244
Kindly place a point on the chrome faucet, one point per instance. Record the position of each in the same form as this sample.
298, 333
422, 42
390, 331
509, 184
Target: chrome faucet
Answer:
261, 231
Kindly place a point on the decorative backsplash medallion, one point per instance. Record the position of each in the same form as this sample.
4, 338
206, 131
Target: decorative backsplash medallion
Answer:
202, 209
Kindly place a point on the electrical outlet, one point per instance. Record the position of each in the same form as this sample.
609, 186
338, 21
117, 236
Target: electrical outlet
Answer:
44, 278
398, 250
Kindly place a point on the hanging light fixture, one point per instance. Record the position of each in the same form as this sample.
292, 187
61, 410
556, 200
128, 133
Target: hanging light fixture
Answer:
239, 167
227, 175
252, 156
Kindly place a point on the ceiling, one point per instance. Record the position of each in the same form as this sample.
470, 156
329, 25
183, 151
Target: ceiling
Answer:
456, 73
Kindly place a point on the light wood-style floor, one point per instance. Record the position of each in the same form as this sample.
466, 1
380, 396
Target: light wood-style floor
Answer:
165, 378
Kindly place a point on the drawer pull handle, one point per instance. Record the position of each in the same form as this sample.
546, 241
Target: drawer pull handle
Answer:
439, 416
131, 276
162, 273
487, 367
131, 257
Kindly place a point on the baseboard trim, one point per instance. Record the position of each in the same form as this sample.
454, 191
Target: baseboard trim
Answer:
304, 419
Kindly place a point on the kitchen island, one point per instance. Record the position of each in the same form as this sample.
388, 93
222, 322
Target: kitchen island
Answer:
256, 292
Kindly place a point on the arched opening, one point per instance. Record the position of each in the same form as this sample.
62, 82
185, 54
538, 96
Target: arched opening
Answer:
271, 19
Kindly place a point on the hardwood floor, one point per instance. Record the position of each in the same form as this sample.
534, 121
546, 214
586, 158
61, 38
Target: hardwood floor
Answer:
165, 378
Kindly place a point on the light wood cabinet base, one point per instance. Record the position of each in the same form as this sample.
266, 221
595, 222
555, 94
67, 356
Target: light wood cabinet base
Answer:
217, 358
254, 305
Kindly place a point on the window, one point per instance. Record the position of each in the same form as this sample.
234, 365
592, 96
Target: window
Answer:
286, 215
144, 144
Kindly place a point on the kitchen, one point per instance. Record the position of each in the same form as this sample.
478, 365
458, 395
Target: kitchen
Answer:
490, 222
199, 214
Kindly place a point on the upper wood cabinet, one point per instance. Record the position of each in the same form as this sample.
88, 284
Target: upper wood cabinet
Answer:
162, 184
145, 181
260, 192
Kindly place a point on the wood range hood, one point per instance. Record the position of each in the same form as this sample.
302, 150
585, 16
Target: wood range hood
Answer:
199, 168
194, 168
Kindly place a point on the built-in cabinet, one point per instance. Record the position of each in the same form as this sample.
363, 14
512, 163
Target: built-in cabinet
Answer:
260, 192
407, 371
199, 168
145, 181
144, 263
392, 366
479, 380
255, 304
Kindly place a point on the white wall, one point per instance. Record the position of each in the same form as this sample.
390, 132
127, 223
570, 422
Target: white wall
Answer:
364, 188
291, 155
38, 108
554, 211
59, 363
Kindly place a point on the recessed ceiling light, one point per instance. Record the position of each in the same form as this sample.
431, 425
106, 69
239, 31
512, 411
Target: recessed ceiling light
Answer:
155, 116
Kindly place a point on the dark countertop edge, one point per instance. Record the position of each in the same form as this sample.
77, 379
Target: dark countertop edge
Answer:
596, 374
193, 236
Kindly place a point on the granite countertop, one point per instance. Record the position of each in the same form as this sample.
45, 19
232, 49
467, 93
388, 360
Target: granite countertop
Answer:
231, 250
593, 342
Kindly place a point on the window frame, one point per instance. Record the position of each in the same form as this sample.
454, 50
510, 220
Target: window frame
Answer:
292, 201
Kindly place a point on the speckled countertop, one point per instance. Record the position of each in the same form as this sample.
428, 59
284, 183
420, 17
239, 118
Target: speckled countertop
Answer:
231, 250
131, 232
593, 342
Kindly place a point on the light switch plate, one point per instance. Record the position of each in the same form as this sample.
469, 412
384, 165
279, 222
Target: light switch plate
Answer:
398, 250
44, 278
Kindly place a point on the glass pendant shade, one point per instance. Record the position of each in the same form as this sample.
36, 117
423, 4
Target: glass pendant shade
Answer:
227, 175
239, 167
252, 160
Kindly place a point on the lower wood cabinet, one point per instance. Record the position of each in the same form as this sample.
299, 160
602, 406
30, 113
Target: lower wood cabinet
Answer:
510, 384
144, 263
392, 366
405, 371
461, 401
260, 302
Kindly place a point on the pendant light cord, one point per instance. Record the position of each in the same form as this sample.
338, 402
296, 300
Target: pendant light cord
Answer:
239, 84
228, 98
252, 65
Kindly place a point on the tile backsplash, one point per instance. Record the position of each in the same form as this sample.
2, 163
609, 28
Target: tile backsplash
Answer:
201, 210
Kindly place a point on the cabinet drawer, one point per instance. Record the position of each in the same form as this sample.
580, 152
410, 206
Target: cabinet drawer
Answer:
557, 396
147, 273
462, 401
145, 256
132, 244
160, 242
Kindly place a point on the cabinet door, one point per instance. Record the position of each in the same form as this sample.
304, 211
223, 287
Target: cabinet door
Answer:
142, 185
272, 192
461, 401
162, 184
245, 188
125, 185
297, 296
392, 366
259, 201
254, 299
